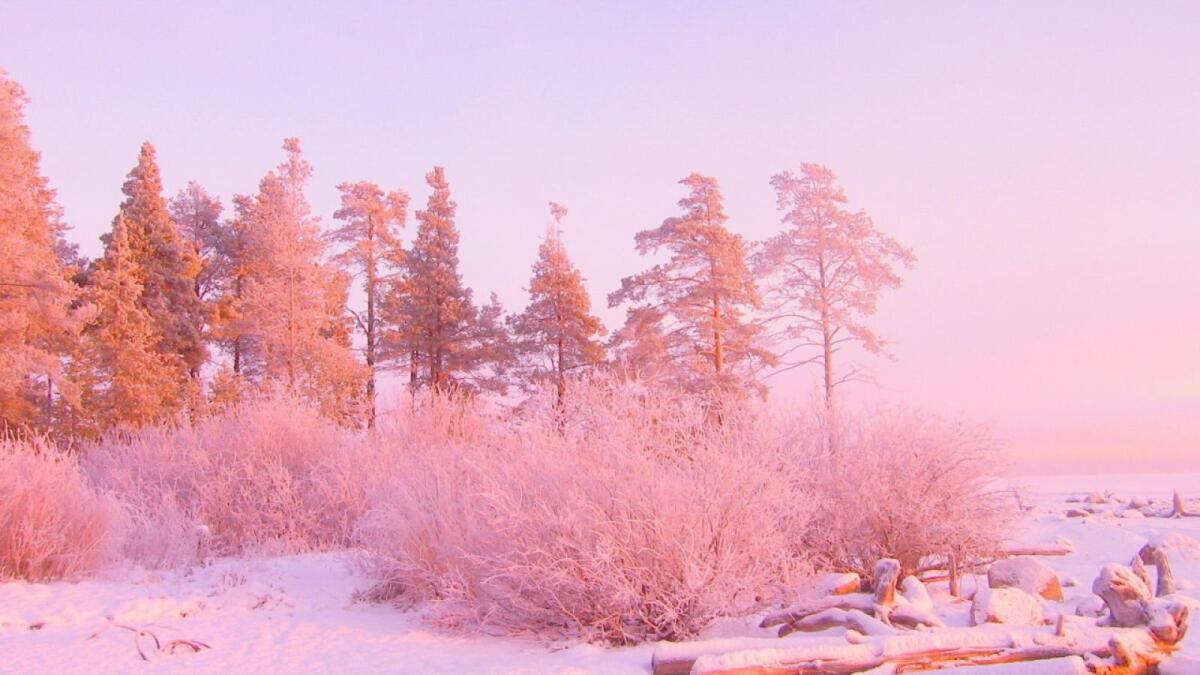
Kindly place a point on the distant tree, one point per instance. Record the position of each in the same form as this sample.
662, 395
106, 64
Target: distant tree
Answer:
37, 324
167, 266
639, 348
288, 313
373, 250
120, 367
228, 328
198, 216
824, 272
557, 333
447, 340
699, 301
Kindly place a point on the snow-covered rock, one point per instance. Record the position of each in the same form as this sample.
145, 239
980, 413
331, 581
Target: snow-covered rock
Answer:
1177, 544
1091, 605
1028, 574
839, 584
1005, 605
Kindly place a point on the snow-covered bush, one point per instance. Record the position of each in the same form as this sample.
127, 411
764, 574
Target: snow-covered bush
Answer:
625, 517
907, 485
52, 523
268, 474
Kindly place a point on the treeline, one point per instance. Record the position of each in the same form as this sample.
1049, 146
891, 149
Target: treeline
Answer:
192, 307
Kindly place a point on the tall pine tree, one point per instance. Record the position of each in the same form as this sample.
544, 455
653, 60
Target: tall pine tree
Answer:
166, 266
290, 311
37, 325
557, 334
120, 367
372, 250
436, 308
702, 296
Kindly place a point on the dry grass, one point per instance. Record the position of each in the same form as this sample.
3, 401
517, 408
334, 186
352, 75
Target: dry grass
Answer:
271, 475
626, 517
53, 525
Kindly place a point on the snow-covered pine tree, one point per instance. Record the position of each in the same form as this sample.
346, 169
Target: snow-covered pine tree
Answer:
37, 325
289, 311
448, 341
120, 367
556, 335
374, 252
166, 265
701, 298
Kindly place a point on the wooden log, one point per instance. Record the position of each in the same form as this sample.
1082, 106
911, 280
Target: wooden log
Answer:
860, 601
1133, 652
1139, 568
1166, 578
1125, 594
884, 579
1052, 549
1177, 508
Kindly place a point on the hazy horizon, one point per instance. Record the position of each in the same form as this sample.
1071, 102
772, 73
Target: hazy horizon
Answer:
1041, 161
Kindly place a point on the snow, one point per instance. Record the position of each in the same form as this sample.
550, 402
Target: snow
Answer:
297, 613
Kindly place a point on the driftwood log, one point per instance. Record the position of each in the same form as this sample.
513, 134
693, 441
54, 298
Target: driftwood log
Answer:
1109, 651
1140, 631
880, 612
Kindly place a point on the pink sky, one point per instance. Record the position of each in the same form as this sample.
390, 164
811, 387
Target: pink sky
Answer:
1043, 160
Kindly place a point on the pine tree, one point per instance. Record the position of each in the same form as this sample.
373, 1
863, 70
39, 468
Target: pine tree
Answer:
37, 325
701, 297
556, 334
120, 368
198, 216
447, 340
166, 265
825, 271
291, 320
374, 251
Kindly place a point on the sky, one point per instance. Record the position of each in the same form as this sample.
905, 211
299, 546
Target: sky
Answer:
1042, 160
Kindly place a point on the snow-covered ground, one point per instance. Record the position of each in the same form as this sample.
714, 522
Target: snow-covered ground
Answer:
297, 614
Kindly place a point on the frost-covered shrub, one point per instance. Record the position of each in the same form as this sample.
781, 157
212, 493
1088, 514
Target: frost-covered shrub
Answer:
52, 523
267, 474
907, 485
628, 516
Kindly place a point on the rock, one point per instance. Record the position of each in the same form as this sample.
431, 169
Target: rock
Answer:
1096, 498
1139, 503
1077, 513
1028, 574
1092, 605
1005, 605
1176, 543
840, 584
1070, 582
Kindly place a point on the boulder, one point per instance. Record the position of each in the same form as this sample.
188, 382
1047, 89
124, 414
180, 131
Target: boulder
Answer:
1028, 574
1077, 513
1006, 605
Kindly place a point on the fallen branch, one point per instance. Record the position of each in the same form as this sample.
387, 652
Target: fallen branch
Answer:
139, 633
